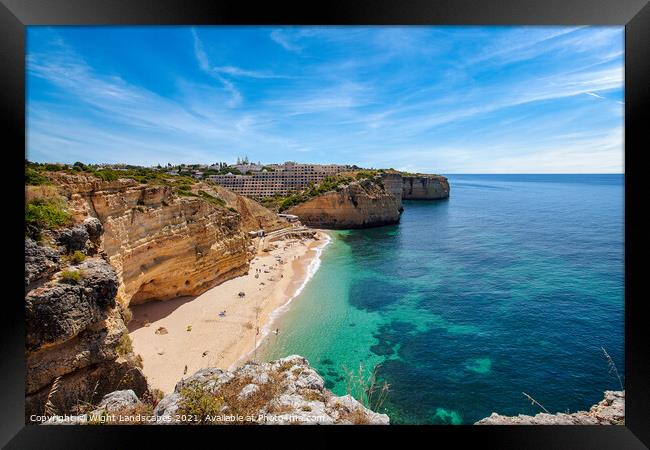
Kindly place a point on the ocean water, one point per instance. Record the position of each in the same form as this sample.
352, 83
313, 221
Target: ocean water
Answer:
511, 285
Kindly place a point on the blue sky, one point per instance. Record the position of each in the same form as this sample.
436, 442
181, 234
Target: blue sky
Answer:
433, 99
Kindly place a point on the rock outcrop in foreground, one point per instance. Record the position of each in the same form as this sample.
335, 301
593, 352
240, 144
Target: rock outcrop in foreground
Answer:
127, 243
360, 204
610, 411
77, 345
286, 391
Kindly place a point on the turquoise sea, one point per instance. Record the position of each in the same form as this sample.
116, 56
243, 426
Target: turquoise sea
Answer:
511, 285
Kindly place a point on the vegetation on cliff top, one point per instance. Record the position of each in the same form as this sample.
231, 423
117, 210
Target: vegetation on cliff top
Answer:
35, 173
45, 214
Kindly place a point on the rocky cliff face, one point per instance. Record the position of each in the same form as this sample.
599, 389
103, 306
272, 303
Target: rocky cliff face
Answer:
394, 184
253, 215
424, 187
137, 243
360, 204
77, 346
161, 245
286, 391
610, 411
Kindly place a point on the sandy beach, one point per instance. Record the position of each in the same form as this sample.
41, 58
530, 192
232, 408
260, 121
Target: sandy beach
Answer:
177, 337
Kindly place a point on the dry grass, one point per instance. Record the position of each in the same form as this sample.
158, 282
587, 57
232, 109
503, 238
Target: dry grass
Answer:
358, 417
612, 367
125, 345
199, 402
366, 388
127, 315
535, 402
41, 192
50, 409
286, 365
153, 396
313, 395
256, 401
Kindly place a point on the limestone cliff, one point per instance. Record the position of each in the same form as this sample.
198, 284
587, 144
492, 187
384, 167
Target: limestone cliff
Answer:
134, 243
286, 391
77, 346
424, 187
359, 204
161, 245
253, 215
609, 411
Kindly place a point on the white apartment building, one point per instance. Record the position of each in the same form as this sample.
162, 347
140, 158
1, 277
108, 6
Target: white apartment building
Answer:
283, 179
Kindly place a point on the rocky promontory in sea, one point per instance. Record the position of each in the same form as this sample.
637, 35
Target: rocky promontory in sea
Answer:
359, 204
370, 202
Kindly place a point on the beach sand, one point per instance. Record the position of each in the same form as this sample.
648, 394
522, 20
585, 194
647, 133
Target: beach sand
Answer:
177, 337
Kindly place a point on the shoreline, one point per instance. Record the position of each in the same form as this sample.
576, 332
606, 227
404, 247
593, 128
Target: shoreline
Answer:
180, 336
312, 268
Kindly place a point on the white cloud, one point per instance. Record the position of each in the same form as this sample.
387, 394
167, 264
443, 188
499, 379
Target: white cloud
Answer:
204, 64
281, 38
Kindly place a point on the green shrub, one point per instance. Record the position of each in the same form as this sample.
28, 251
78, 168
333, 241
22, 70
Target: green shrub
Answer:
106, 175
233, 170
71, 276
186, 193
212, 199
125, 346
363, 174
77, 257
127, 315
45, 214
34, 177
198, 401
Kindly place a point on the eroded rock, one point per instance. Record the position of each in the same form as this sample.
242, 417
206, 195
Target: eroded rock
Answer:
609, 411
40, 262
287, 391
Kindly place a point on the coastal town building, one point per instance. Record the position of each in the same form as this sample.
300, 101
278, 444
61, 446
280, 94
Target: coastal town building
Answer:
279, 180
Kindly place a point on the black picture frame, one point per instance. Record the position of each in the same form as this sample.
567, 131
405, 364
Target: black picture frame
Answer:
15, 15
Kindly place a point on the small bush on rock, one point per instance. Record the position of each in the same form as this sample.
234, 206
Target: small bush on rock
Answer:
125, 346
71, 276
198, 403
77, 257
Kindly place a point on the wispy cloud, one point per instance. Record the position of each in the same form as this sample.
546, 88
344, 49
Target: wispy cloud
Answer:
282, 38
204, 64
238, 72
441, 99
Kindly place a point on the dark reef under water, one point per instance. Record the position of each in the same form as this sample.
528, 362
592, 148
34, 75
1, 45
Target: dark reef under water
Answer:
511, 285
